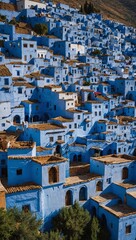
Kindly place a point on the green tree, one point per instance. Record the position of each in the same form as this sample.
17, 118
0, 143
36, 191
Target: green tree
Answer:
18, 225
96, 52
71, 221
27, 226
7, 225
104, 233
13, 21
2, 18
41, 28
95, 229
52, 235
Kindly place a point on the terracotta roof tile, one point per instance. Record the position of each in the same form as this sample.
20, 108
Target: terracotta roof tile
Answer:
4, 71
48, 159
45, 126
22, 188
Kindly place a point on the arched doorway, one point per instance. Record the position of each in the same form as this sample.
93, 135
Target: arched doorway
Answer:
93, 211
99, 186
53, 175
89, 97
68, 198
130, 96
46, 117
35, 118
16, 119
83, 194
58, 150
125, 173
27, 118
103, 221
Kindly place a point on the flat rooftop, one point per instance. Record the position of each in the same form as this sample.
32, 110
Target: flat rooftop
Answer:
115, 159
127, 185
6, 137
120, 210
80, 179
133, 194
42, 149
62, 119
104, 197
23, 144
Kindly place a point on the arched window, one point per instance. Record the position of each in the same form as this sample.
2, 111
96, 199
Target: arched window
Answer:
83, 194
53, 175
125, 173
99, 186
75, 158
16, 119
79, 158
68, 198
109, 152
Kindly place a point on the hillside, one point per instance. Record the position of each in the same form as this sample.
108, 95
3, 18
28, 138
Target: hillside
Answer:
123, 11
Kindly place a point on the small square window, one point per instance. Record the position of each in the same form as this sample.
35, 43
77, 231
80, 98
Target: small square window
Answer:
18, 73
51, 139
59, 137
128, 229
78, 116
108, 180
6, 90
19, 171
19, 90
6, 81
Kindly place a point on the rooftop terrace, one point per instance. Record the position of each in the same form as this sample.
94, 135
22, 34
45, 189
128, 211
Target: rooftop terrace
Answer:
115, 159
120, 210
45, 126
81, 178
